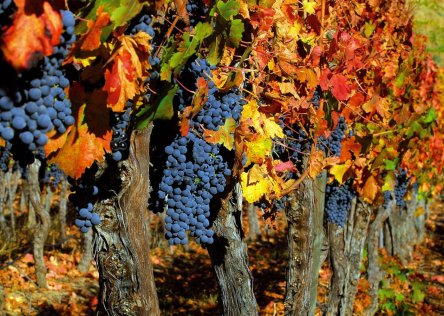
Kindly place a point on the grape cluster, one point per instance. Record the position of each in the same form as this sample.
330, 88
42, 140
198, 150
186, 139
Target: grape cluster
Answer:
196, 11
5, 154
7, 8
52, 175
87, 218
293, 146
195, 170
402, 182
387, 198
143, 24
337, 202
218, 107
83, 198
316, 99
120, 123
332, 145
39, 104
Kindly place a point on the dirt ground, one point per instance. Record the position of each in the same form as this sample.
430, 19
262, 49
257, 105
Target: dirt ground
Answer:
186, 284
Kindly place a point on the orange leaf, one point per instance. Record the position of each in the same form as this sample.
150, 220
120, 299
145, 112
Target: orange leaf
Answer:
127, 70
224, 136
87, 140
91, 39
35, 29
370, 189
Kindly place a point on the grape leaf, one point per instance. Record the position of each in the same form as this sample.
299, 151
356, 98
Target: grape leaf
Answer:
91, 40
87, 140
34, 31
257, 182
223, 136
309, 6
120, 12
126, 72
338, 171
370, 189
236, 30
228, 9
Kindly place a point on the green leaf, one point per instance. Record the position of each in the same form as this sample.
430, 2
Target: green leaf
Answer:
163, 111
368, 29
415, 128
120, 12
430, 117
418, 294
236, 30
215, 51
228, 9
391, 164
202, 31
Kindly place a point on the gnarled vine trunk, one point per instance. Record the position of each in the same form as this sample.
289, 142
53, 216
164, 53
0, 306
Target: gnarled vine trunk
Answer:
41, 228
318, 257
374, 272
230, 260
253, 223
300, 214
346, 249
121, 241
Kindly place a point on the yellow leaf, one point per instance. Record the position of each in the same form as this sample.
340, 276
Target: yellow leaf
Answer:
271, 128
316, 163
254, 184
257, 150
309, 6
389, 182
338, 171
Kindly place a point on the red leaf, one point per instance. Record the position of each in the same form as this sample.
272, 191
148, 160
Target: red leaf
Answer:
285, 166
36, 28
339, 87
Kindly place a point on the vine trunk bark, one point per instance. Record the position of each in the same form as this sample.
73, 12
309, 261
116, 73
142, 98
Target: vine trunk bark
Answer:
374, 272
253, 223
319, 196
121, 241
41, 228
346, 249
230, 260
301, 218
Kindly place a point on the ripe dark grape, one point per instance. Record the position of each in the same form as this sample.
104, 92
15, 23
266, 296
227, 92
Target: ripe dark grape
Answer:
5, 155
52, 175
338, 199
120, 124
27, 109
196, 11
402, 182
84, 196
332, 145
195, 170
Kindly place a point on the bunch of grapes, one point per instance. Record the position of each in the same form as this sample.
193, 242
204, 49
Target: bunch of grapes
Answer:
83, 197
196, 11
52, 175
38, 103
195, 170
332, 145
7, 9
402, 182
338, 199
316, 99
5, 155
387, 198
120, 123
